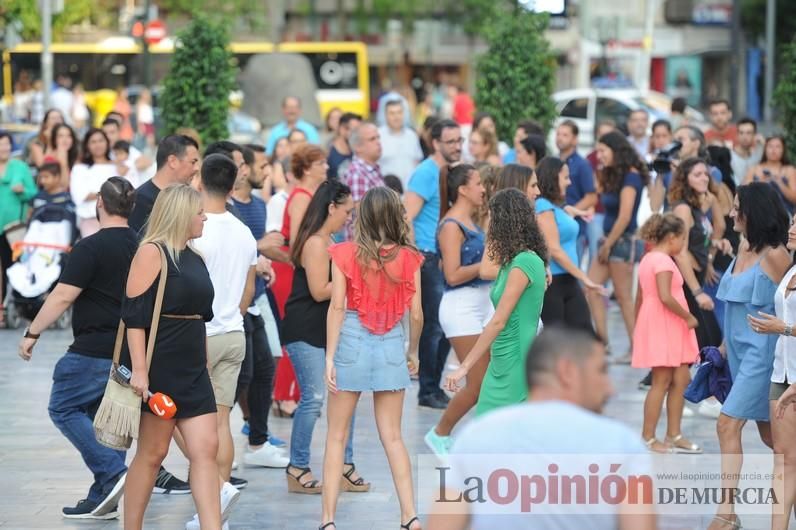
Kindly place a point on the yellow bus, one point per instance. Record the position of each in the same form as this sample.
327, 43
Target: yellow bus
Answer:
340, 68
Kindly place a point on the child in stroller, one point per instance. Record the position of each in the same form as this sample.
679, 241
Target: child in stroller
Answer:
40, 256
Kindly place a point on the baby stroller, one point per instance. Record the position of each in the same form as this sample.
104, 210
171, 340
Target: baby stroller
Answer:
38, 260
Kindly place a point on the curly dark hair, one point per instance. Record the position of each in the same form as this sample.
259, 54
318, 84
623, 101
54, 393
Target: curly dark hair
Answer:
513, 228
626, 160
680, 191
547, 171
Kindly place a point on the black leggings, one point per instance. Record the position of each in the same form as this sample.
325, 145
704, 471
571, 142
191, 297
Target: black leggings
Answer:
565, 304
257, 378
5, 263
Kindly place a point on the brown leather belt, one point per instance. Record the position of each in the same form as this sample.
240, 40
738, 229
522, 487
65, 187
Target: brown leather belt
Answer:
182, 317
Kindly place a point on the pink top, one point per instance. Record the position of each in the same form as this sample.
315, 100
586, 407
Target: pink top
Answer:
379, 296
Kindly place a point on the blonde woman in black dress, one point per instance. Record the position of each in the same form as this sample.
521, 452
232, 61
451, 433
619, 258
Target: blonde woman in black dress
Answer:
179, 360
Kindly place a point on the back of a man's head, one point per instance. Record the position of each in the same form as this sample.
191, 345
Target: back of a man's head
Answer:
218, 174
223, 147
569, 365
173, 144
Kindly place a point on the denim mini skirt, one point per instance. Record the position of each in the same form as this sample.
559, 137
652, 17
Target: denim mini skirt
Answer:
367, 362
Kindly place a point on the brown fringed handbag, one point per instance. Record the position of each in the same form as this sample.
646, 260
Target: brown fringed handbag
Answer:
119, 414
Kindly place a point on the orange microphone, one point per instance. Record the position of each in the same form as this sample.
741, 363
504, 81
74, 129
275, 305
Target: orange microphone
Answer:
162, 405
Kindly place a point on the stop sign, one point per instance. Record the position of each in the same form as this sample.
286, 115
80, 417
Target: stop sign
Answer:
155, 32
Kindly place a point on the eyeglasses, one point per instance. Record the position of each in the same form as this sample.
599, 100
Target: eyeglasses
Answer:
456, 141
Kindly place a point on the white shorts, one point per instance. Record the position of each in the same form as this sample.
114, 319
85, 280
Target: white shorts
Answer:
464, 311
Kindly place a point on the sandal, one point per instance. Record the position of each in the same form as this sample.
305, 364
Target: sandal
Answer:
295, 485
735, 525
327, 525
680, 445
408, 525
652, 441
358, 486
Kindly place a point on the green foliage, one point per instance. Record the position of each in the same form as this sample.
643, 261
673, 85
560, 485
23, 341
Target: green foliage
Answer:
249, 12
785, 95
196, 89
516, 76
27, 12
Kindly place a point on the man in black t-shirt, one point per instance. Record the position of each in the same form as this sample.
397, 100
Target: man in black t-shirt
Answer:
93, 283
177, 162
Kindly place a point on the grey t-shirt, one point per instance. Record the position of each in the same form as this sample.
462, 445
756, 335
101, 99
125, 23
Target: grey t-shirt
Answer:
546, 428
741, 165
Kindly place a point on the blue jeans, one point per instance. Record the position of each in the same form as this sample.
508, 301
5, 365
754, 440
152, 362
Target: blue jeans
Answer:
78, 386
309, 364
594, 231
434, 347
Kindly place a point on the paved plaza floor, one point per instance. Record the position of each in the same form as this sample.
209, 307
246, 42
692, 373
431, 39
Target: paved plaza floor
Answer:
40, 471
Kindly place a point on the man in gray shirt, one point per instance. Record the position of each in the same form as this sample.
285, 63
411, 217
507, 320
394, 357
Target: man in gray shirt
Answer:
747, 151
568, 386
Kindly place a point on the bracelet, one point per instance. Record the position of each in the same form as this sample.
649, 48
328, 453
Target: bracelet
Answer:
697, 292
29, 335
788, 330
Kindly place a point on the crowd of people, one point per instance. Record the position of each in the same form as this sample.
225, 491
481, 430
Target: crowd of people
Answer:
301, 272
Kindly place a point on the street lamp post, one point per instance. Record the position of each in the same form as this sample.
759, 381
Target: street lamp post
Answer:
46, 52
771, 19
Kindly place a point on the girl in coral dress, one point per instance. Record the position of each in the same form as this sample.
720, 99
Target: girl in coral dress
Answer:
664, 338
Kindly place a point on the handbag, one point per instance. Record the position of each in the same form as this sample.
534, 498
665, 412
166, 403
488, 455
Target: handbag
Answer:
119, 414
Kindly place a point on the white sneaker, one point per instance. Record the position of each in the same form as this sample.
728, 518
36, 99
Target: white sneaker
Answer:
229, 496
710, 407
266, 456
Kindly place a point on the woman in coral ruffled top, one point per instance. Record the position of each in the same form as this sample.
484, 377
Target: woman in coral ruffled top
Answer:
375, 281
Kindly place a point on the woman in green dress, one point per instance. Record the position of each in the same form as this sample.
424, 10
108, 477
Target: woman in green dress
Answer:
515, 243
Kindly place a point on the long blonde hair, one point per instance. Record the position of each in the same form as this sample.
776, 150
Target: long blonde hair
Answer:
170, 220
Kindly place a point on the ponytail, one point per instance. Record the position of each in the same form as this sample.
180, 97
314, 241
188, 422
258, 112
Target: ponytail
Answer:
449, 187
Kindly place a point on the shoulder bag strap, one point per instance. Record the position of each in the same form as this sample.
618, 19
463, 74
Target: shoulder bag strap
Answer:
153, 330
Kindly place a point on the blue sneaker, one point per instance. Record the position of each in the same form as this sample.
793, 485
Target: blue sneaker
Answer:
245, 429
276, 442
439, 444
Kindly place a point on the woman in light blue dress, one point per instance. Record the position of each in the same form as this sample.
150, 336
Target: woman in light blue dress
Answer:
748, 288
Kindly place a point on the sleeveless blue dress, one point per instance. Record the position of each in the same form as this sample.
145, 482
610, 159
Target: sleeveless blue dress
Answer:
750, 354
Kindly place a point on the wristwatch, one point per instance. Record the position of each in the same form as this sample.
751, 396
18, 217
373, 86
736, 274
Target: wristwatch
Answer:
29, 335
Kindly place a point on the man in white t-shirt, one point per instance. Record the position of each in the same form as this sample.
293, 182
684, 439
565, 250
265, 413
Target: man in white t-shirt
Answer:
230, 253
568, 386
400, 146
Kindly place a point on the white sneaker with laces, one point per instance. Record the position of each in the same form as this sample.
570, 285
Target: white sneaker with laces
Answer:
266, 456
229, 496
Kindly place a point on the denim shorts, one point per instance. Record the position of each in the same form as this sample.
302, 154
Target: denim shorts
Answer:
627, 249
367, 362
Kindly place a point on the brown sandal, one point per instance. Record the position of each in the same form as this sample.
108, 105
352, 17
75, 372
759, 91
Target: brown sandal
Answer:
294, 484
358, 486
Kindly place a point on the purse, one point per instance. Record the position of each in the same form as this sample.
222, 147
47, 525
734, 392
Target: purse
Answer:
119, 414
